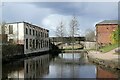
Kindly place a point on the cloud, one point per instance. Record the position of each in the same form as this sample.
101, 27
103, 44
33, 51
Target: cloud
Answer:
23, 12
60, 1
49, 14
52, 21
93, 9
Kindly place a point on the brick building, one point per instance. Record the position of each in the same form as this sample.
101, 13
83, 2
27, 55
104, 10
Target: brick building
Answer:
104, 30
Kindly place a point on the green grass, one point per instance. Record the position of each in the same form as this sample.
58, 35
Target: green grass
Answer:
108, 48
93, 49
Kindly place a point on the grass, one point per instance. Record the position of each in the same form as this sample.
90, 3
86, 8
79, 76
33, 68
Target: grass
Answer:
93, 49
108, 48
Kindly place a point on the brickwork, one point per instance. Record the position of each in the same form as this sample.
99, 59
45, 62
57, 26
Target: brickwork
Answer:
104, 32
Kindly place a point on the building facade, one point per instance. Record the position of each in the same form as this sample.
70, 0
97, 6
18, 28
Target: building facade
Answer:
104, 30
34, 38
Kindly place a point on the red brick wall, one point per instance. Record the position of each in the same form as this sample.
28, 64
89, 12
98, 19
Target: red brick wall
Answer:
104, 32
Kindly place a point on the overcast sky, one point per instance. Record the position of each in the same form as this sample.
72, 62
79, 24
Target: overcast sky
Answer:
49, 14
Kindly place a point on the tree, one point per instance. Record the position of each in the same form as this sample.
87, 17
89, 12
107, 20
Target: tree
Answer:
60, 32
74, 28
115, 36
2, 32
2, 28
90, 35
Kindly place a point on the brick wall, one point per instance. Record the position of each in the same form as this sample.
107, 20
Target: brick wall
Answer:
103, 33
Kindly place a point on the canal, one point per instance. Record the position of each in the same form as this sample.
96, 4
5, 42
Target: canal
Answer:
65, 65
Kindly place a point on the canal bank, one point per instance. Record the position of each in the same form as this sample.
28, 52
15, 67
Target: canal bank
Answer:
66, 66
74, 51
8, 59
108, 60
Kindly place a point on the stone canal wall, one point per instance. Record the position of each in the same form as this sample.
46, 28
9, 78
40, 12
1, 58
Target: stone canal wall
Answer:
112, 65
74, 51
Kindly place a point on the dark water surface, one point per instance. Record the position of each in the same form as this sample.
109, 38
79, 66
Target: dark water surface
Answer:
65, 65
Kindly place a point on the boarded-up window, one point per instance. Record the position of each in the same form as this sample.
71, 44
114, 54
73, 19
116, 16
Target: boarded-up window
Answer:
10, 29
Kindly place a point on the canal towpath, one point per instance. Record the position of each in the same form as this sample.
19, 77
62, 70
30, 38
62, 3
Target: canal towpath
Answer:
106, 56
108, 59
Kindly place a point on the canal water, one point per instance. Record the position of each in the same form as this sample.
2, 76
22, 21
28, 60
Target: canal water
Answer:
65, 65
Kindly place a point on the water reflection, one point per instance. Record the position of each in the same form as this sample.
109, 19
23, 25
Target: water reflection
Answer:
13, 70
30, 68
63, 66
36, 67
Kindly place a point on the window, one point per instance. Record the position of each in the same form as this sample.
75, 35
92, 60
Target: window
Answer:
30, 42
36, 43
26, 68
26, 31
33, 32
41, 34
47, 35
47, 43
30, 31
11, 41
36, 33
41, 44
33, 43
10, 29
26, 43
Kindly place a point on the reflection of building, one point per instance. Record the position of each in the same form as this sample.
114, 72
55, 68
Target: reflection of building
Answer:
36, 67
104, 30
34, 38
13, 70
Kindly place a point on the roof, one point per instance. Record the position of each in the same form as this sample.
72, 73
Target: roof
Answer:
109, 22
28, 23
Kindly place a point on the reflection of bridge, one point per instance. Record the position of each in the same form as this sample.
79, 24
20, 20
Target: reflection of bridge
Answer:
76, 58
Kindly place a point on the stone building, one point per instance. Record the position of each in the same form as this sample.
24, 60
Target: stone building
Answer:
104, 30
34, 38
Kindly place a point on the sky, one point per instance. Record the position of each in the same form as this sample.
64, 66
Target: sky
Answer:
49, 14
